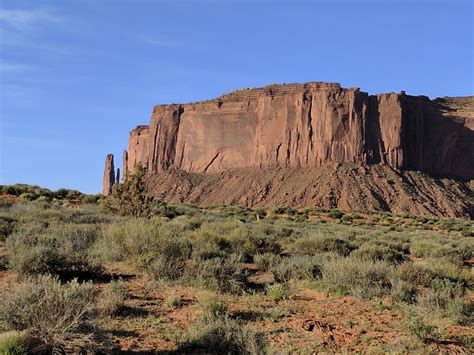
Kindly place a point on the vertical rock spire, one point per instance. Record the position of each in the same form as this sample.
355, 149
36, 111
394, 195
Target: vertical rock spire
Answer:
109, 175
117, 177
124, 165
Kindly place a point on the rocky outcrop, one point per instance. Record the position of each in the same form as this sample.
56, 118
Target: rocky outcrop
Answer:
305, 126
109, 175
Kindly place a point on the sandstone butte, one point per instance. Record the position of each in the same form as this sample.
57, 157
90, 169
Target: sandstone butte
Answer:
312, 144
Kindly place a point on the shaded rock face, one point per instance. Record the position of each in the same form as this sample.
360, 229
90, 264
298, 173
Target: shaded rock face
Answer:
109, 175
304, 126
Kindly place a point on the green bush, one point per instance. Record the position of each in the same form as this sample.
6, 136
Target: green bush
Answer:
136, 240
266, 261
13, 343
363, 278
57, 315
402, 291
227, 275
336, 214
445, 269
132, 198
316, 243
415, 274
276, 292
296, 268
112, 297
213, 305
416, 325
223, 335
285, 210
381, 252
169, 264
445, 298
27, 196
7, 226
59, 249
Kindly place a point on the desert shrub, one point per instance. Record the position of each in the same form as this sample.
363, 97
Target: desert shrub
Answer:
456, 250
265, 238
170, 263
455, 253
316, 243
445, 298
402, 291
84, 215
227, 275
90, 198
136, 240
132, 198
415, 274
57, 315
13, 343
184, 223
223, 335
276, 292
172, 301
454, 224
381, 251
445, 268
7, 226
350, 217
296, 268
58, 249
335, 214
35, 191
417, 326
224, 237
261, 244
112, 297
266, 261
27, 196
212, 305
363, 278
209, 250
291, 211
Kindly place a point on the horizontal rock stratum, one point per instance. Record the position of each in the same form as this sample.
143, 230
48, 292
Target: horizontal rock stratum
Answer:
305, 127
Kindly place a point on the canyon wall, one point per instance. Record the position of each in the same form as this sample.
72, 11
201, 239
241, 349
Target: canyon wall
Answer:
304, 126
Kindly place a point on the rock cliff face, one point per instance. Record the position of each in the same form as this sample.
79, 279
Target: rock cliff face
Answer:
304, 126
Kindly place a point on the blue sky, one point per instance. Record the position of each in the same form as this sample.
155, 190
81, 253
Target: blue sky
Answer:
76, 76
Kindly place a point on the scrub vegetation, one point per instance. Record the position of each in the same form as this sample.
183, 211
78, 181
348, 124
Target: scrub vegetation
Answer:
80, 273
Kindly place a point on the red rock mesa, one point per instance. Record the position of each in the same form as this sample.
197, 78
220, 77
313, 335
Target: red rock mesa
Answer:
310, 127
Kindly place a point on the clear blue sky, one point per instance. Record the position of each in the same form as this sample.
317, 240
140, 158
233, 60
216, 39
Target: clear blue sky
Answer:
77, 75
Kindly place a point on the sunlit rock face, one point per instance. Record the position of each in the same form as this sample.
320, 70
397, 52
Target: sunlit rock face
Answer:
306, 125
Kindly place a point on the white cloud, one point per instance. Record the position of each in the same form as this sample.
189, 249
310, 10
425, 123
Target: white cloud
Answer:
26, 19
